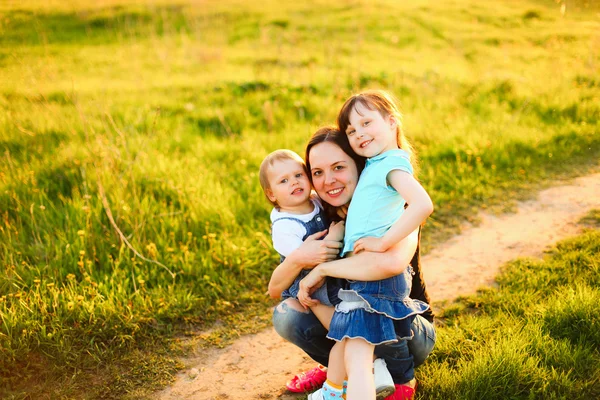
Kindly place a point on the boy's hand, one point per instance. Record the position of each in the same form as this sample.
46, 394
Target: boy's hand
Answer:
336, 231
376, 245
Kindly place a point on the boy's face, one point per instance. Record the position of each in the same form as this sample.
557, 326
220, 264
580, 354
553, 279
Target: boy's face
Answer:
289, 184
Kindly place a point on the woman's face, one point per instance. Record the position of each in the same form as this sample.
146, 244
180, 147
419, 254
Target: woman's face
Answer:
334, 173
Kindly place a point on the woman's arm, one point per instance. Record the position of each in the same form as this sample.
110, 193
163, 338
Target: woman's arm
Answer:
365, 266
312, 252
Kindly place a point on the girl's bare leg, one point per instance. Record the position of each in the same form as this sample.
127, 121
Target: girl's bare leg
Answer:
323, 313
358, 355
336, 371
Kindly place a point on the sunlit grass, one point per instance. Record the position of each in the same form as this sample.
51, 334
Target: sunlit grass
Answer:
536, 336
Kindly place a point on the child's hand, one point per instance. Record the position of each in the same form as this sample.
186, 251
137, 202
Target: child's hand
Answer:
336, 231
376, 245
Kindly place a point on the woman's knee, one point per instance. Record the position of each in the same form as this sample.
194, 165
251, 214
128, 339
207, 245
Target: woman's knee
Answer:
292, 304
288, 319
423, 340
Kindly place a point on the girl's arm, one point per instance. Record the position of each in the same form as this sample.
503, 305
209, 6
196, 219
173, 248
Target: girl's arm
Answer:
419, 208
312, 252
365, 266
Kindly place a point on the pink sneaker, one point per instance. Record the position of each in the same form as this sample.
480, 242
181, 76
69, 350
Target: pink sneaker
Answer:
404, 392
308, 381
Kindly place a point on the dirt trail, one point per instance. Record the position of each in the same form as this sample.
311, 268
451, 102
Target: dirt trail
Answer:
257, 366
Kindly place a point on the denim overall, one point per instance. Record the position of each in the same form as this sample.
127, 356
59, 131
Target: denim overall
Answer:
378, 311
326, 294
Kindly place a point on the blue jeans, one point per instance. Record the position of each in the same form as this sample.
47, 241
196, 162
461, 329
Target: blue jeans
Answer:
305, 331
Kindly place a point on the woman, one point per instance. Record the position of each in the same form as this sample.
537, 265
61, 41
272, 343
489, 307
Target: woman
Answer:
334, 170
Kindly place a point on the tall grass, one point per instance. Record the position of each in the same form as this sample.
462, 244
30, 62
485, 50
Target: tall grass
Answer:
131, 134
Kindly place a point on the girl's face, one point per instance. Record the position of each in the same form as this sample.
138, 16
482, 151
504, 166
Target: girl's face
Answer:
334, 173
370, 133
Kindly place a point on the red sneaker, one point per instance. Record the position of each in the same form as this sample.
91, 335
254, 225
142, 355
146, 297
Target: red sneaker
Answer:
308, 381
404, 392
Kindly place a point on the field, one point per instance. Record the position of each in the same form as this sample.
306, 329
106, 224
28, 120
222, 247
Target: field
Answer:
131, 133
534, 337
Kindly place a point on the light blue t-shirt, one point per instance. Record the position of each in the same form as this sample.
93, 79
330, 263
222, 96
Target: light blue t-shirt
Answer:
375, 205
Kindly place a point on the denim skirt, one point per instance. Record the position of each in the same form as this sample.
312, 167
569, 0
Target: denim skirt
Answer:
379, 311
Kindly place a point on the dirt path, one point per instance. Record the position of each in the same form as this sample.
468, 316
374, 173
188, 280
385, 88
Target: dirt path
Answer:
257, 366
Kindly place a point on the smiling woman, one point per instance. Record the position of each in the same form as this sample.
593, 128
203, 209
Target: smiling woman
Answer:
334, 170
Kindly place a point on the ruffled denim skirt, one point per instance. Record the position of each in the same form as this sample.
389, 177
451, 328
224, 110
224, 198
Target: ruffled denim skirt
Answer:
379, 311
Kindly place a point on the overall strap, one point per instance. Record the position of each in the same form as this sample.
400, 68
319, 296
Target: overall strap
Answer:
304, 224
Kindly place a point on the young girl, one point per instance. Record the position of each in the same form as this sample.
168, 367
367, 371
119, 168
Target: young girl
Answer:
377, 312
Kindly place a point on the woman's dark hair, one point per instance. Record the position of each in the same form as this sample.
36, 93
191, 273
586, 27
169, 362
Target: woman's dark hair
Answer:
332, 135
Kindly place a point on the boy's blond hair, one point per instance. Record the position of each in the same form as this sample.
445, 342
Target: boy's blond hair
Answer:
277, 155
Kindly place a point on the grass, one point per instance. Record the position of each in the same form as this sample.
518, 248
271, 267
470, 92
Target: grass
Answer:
156, 115
535, 336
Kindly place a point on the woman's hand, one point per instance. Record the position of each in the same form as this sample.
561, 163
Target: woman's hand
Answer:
308, 285
373, 244
311, 253
314, 252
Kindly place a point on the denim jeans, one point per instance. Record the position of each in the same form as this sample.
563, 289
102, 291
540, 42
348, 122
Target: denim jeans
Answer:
305, 331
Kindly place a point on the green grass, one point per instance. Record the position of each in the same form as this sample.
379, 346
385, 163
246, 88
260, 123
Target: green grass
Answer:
169, 107
535, 336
